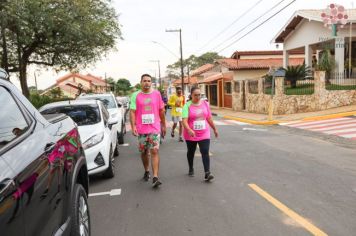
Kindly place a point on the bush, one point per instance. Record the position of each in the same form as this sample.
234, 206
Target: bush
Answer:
41, 100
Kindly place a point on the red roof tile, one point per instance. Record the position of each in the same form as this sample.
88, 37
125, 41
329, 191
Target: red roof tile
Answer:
241, 64
217, 76
202, 69
192, 80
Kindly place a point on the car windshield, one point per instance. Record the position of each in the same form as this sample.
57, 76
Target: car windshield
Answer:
81, 114
108, 101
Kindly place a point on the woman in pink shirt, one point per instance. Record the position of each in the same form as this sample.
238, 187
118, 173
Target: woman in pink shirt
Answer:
197, 121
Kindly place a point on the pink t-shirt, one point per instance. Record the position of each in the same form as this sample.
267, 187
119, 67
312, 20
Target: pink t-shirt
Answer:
197, 120
147, 107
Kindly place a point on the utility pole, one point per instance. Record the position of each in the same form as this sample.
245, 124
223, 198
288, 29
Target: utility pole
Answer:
181, 55
159, 72
34, 73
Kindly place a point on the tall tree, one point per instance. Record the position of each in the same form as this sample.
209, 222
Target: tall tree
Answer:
63, 34
123, 86
193, 62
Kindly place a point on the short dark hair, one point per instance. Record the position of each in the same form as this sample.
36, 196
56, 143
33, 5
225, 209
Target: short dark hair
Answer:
145, 75
192, 91
178, 88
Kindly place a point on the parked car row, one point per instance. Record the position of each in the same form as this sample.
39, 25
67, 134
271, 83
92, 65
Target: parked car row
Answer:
43, 170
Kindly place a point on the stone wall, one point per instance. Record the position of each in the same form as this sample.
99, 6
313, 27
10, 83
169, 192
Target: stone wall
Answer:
322, 99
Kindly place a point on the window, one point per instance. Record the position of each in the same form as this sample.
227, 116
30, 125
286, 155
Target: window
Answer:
227, 87
12, 121
237, 86
106, 114
80, 114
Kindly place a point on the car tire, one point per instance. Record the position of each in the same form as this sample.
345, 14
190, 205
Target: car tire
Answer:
80, 212
121, 135
116, 151
110, 171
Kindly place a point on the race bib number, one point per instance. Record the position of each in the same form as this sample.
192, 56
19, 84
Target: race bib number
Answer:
199, 125
148, 119
179, 109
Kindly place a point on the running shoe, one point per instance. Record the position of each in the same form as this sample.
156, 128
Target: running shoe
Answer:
208, 176
146, 176
156, 182
181, 139
191, 172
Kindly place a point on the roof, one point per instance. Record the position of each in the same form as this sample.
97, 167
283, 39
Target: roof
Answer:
202, 69
192, 80
90, 78
217, 76
311, 14
242, 64
237, 54
69, 102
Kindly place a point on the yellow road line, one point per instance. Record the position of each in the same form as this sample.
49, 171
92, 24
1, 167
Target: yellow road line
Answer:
302, 221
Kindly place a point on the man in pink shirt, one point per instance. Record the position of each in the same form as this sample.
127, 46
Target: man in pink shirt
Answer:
147, 117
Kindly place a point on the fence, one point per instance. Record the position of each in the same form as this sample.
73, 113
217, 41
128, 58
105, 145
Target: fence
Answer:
267, 85
253, 86
299, 87
341, 81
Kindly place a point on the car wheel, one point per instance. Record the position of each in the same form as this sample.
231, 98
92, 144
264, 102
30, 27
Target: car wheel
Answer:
80, 212
110, 172
121, 135
116, 151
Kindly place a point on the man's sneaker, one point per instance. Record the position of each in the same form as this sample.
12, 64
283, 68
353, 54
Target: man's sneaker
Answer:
156, 182
172, 134
181, 139
191, 172
146, 176
208, 176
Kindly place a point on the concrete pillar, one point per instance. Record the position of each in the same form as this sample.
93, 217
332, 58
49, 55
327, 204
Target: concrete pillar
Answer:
279, 86
319, 89
340, 54
308, 55
260, 86
285, 58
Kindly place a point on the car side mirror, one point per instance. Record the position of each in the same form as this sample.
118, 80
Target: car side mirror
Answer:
112, 121
119, 104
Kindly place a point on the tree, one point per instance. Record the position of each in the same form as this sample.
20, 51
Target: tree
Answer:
60, 34
56, 93
193, 62
111, 82
138, 86
295, 73
123, 86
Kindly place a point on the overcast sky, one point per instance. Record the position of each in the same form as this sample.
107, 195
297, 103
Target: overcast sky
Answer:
144, 21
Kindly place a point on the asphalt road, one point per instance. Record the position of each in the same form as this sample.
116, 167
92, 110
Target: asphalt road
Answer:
268, 181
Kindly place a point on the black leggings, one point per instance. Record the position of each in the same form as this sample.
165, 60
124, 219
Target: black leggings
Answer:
204, 150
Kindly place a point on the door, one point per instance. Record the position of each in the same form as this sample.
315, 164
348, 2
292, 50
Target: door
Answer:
40, 189
213, 94
11, 215
220, 93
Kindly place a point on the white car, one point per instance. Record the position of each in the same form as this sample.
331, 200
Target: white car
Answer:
115, 109
96, 130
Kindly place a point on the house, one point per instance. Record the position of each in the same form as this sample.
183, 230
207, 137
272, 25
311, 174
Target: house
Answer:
309, 32
227, 75
71, 83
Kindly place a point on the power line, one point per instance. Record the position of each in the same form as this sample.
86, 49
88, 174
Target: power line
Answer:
265, 13
257, 26
236, 20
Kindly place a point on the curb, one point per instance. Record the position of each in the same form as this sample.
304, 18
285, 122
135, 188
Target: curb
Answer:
326, 117
254, 122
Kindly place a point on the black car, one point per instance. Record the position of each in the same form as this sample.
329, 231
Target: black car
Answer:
43, 171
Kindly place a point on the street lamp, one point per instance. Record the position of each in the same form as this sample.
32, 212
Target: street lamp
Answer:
159, 72
162, 45
181, 54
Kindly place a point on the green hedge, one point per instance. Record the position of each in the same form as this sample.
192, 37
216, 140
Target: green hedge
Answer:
41, 100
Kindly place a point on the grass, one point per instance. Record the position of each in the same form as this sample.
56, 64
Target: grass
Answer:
339, 87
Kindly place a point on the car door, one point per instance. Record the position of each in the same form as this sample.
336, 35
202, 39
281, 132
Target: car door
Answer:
11, 214
39, 183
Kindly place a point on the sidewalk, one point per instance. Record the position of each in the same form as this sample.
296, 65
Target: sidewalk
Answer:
262, 119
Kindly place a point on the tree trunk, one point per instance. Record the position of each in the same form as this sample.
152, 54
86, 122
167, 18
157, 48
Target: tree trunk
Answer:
4, 61
23, 79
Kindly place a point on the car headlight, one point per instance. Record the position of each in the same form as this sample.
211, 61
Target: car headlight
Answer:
94, 140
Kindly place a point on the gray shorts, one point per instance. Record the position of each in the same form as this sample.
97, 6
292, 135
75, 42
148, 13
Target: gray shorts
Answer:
176, 119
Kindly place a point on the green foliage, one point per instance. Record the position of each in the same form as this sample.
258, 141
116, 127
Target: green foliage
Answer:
193, 62
41, 100
327, 62
295, 73
60, 34
123, 86
56, 92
